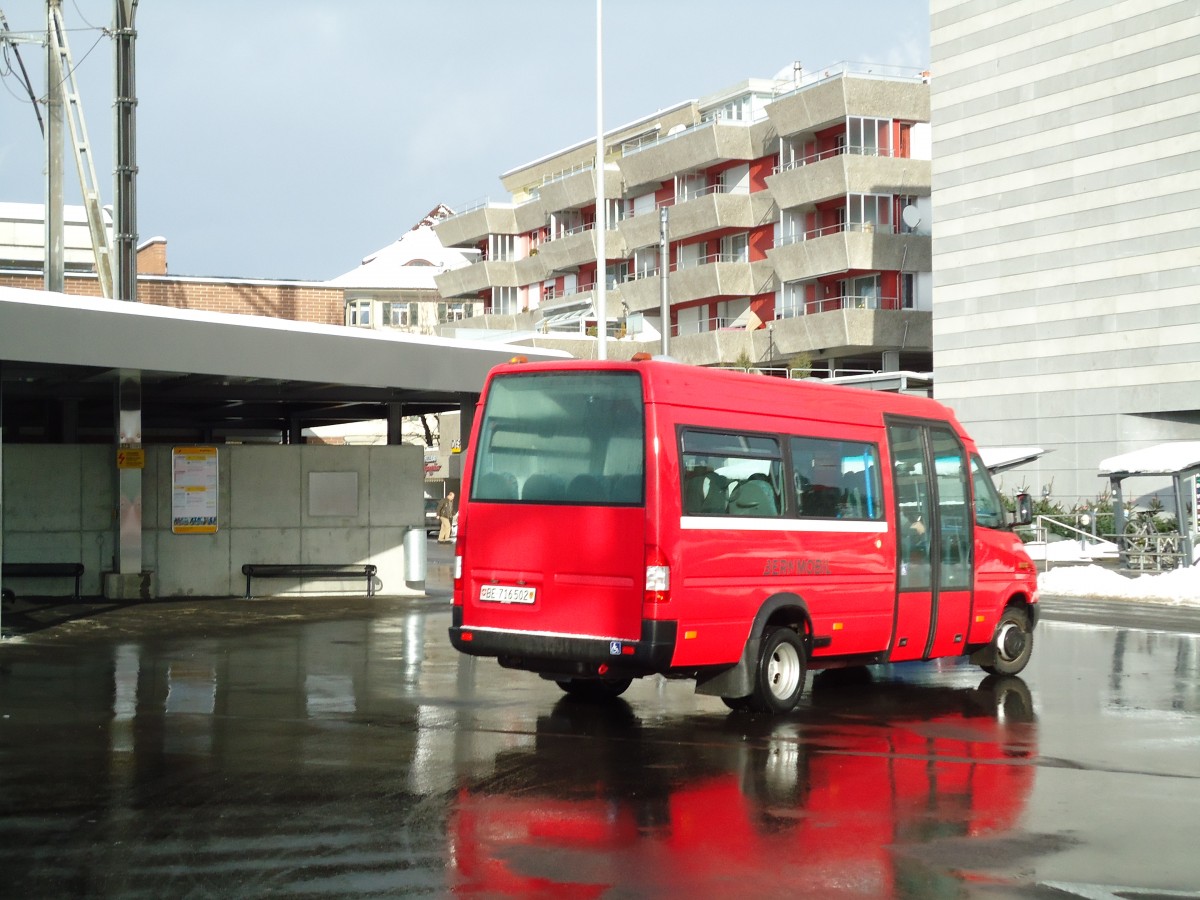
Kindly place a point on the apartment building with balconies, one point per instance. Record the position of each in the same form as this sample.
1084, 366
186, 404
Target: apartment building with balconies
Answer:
797, 230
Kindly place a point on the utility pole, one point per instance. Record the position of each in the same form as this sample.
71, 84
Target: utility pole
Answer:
601, 209
125, 234
127, 581
664, 273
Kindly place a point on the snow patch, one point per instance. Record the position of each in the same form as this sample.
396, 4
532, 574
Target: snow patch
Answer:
1180, 587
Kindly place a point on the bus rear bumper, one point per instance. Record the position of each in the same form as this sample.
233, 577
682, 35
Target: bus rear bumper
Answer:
569, 655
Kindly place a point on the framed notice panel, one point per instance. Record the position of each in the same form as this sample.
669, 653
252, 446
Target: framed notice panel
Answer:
194, 490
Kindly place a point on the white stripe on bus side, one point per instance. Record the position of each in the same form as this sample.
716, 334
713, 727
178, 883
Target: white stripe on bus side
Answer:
754, 523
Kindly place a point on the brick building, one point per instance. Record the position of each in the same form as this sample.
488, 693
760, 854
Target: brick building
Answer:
22, 239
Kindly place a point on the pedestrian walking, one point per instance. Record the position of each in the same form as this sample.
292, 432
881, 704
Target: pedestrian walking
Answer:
445, 513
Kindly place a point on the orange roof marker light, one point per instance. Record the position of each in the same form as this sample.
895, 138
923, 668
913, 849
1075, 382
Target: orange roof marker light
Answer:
519, 359
640, 356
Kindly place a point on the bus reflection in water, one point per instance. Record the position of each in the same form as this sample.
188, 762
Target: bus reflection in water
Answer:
837, 800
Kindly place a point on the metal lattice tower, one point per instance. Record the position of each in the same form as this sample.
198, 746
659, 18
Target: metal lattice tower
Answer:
62, 73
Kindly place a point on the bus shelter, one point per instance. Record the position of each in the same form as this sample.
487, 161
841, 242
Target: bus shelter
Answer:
1140, 544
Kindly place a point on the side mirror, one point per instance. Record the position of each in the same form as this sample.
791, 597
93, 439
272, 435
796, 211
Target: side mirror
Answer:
1024, 513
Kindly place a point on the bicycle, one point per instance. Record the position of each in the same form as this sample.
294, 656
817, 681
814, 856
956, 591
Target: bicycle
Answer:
1145, 547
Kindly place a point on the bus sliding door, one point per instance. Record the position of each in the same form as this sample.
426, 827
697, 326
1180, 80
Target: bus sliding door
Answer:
934, 541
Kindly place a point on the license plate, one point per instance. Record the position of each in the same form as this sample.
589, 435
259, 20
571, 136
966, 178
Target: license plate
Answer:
503, 593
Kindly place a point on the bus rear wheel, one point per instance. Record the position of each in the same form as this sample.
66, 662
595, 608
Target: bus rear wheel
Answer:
596, 688
1013, 643
779, 676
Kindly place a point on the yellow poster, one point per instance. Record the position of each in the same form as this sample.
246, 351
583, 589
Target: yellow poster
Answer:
194, 490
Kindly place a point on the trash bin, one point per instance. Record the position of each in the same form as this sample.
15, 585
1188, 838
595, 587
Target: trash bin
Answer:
415, 557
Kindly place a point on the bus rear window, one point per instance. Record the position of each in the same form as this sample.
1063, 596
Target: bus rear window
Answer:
562, 437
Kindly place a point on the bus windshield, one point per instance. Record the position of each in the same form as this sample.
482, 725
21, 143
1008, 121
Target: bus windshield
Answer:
562, 437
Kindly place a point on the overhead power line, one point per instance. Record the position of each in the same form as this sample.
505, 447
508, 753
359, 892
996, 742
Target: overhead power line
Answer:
9, 44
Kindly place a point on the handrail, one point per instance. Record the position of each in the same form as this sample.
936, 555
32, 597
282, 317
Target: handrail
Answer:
1039, 526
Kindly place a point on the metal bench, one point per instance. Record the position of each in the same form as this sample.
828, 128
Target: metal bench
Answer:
44, 570
310, 570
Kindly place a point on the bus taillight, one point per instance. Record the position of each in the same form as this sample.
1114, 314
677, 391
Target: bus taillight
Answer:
658, 577
459, 545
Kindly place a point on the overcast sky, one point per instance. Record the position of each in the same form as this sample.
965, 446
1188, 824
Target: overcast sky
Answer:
290, 139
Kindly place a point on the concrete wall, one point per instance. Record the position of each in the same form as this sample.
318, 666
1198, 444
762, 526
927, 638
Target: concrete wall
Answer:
1066, 249
58, 507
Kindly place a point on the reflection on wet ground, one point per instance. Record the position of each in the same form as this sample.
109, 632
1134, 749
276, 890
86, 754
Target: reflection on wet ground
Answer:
341, 747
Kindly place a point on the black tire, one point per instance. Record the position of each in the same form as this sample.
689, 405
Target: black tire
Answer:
596, 688
779, 675
1012, 644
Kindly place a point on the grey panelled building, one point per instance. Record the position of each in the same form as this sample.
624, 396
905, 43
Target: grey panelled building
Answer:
1066, 250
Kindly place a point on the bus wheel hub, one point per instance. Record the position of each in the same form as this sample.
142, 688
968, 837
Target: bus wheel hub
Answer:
1010, 642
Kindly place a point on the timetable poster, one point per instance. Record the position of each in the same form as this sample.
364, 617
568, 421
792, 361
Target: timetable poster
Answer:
194, 490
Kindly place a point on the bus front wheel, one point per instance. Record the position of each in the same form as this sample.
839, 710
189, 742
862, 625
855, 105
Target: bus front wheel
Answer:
779, 677
1013, 643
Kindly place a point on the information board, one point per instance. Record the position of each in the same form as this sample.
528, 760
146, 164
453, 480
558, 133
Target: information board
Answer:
194, 490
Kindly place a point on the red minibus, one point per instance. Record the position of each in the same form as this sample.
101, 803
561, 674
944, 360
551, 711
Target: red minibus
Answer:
623, 519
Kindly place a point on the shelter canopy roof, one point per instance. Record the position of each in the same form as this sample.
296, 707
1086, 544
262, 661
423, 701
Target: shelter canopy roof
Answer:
1161, 459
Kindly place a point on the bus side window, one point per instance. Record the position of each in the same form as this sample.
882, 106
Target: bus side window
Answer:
727, 473
836, 479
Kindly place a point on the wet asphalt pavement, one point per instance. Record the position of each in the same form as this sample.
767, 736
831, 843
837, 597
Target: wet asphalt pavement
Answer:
339, 746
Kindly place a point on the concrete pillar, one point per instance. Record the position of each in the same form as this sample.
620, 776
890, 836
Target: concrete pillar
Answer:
128, 581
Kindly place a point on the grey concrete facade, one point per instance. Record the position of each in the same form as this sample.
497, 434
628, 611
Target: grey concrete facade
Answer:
1066, 248
58, 502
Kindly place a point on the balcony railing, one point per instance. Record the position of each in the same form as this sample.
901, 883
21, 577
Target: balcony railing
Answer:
580, 326
567, 173
826, 230
835, 304
678, 266
709, 260
856, 69
637, 145
696, 194
574, 229
552, 293
886, 152
704, 326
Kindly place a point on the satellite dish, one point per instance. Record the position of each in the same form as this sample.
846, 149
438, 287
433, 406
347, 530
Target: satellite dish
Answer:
911, 216
675, 129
